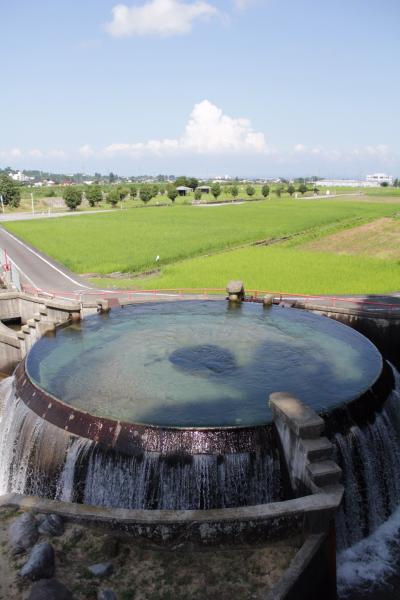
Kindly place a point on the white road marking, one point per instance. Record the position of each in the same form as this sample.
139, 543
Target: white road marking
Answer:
22, 272
47, 261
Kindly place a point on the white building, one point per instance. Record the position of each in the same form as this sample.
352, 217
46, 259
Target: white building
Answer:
19, 176
344, 183
379, 178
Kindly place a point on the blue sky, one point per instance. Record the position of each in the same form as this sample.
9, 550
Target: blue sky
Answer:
239, 87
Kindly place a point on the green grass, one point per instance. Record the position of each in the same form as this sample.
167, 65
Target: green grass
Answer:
278, 269
129, 241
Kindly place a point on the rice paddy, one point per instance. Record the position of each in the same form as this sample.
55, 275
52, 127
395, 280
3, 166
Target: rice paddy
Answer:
200, 247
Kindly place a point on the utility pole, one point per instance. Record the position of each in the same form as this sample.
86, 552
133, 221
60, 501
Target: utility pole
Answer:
2, 203
33, 206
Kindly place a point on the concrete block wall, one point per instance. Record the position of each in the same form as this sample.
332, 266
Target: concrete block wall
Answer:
39, 316
308, 454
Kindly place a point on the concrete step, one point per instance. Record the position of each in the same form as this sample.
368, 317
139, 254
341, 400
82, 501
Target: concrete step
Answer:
325, 472
317, 450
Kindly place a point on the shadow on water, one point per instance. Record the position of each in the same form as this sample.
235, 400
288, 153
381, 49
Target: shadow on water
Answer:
250, 386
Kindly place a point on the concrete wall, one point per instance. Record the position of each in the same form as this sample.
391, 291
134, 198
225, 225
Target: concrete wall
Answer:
381, 326
307, 453
312, 574
10, 349
38, 316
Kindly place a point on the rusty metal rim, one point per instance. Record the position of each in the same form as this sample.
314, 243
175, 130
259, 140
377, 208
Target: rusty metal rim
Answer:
128, 437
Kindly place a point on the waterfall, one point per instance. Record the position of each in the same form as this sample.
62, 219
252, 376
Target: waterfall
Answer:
370, 459
40, 459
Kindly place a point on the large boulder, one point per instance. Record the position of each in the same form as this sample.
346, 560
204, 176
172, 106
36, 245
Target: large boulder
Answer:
40, 564
235, 291
49, 589
52, 525
23, 533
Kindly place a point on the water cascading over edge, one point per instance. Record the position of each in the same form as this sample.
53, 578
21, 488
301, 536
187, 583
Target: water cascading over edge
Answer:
41, 459
369, 456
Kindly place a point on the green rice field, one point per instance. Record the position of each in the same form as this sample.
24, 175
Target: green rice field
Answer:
206, 246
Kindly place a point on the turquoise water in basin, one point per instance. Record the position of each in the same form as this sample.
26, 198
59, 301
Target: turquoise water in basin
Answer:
202, 363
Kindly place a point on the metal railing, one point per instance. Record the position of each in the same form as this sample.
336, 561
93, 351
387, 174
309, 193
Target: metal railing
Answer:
325, 301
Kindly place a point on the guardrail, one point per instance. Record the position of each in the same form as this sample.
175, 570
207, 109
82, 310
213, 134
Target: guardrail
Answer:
251, 296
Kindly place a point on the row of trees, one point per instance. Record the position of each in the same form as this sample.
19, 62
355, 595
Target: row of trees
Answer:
73, 196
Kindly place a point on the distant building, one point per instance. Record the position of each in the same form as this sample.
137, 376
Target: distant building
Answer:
183, 190
345, 183
204, 189
19, 176
379, 178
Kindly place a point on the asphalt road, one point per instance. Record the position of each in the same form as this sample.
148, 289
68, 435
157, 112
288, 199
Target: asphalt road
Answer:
38, 270
28, 216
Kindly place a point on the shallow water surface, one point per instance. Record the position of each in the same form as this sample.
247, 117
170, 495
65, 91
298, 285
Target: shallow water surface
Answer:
202, 363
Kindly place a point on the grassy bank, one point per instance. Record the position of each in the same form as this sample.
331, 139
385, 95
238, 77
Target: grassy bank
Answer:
279, 269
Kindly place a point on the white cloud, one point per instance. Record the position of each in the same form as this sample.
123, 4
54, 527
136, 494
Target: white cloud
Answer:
379, 150
242, 4
57, 153
86, 151
208, 131
158, 17
15, 153
300, 148
35, 153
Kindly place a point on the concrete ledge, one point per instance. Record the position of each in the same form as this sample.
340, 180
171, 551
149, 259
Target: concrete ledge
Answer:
302, 420
358, 310
249, 523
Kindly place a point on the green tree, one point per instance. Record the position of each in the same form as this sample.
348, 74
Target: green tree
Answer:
302, 188
122, 192
94, 195
235, 191
172, 193
146, 192
113, 198
315, 190
384, 184
265, 190
181, 180
193, 183
216, 190
133, 190
72, 197
197, 195
10, 191
250, 190
111, 177
291, 190
278, 191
